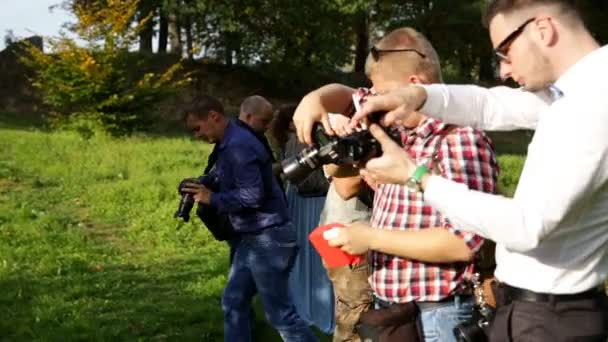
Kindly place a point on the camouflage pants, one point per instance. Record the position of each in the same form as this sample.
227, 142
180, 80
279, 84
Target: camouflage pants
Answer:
353, 296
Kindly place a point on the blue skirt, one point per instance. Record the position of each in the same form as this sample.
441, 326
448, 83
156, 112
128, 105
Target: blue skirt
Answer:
311, 290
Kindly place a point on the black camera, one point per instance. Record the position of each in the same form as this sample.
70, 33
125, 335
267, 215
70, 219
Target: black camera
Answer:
477, 328
356, 147
186, 201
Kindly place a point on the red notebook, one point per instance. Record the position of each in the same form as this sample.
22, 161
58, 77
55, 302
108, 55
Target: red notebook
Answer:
333, 256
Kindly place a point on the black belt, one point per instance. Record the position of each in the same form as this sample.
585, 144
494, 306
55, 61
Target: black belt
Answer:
448, 301
511, 294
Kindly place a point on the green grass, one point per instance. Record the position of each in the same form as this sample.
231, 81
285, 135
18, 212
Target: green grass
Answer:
89, 249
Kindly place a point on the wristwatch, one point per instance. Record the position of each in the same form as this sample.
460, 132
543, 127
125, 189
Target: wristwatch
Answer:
415, 182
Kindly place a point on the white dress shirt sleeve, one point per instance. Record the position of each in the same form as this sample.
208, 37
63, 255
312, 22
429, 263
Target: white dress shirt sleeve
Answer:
566, 169
494, 109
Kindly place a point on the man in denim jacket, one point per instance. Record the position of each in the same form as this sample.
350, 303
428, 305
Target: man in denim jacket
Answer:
248, 192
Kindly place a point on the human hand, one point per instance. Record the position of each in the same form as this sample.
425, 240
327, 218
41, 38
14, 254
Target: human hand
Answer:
340, 124
398, 105
355, 238
371, 183
394, 166
200, 192
309, 111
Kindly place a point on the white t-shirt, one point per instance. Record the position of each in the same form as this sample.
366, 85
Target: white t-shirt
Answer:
338, 210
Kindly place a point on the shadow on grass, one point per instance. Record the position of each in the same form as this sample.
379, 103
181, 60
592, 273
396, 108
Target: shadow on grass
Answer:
263, 332
180, 300
22, 121
152, 302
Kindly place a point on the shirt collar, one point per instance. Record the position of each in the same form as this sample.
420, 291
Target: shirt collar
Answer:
228, 133
427, 127
556, 93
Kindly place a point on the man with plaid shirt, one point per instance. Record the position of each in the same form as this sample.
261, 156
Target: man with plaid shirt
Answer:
416, 254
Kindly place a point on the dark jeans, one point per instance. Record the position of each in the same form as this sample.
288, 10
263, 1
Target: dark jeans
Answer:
263, 261
584, 319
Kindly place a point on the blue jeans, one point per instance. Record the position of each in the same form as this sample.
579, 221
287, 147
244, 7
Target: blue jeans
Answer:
263, 261
438, 323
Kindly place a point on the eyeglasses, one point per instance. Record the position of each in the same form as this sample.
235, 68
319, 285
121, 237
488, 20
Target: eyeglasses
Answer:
377, 52
502, 50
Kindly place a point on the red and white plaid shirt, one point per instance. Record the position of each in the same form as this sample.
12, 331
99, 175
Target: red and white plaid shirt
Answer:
464, 155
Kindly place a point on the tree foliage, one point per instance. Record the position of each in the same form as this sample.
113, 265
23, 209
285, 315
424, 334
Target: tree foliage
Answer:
101, 86
333, 34
290, 41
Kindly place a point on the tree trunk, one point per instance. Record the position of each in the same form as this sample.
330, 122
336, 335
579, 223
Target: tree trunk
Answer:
228, 48
175, 37
189, 45
145, 39
362, 44
146, 35
163, 32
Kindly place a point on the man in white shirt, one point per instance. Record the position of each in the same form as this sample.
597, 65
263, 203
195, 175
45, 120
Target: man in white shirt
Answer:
552, 237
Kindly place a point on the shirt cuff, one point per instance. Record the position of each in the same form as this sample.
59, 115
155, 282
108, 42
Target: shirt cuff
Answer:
435, 98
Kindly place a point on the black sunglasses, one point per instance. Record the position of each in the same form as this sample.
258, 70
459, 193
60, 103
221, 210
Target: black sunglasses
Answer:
377, 52
502, 49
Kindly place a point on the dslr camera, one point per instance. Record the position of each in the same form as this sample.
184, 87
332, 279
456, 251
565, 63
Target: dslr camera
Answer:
477, 328
356, 147
186, 201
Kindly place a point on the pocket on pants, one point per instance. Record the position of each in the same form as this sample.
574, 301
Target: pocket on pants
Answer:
275, 258
280, 236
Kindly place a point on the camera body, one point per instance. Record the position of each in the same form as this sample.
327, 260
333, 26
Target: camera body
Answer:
356, 147
186, 201
477, 328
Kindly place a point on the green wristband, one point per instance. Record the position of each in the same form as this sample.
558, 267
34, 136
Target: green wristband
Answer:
419, 172
415, 182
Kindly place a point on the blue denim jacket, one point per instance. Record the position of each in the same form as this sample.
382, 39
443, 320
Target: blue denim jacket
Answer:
245, 187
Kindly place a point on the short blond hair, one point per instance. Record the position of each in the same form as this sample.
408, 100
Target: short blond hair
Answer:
393, 64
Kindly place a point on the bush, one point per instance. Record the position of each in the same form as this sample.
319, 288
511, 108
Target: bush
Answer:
102, 86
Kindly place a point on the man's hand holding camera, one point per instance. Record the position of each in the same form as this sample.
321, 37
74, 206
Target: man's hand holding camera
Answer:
398, 105
200, 193
394, 166
309, 111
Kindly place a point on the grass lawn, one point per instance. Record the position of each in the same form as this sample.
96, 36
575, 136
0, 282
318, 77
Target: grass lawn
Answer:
89, 249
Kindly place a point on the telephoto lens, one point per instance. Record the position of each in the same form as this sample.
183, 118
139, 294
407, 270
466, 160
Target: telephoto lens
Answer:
348, 150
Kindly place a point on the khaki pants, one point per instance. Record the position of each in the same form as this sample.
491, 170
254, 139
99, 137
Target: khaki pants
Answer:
353, 296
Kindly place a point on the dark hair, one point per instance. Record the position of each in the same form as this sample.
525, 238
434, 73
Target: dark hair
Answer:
494, 7
279, 130
202, 105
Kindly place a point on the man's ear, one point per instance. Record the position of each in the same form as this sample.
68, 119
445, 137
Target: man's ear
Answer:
213, 115
547, 31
